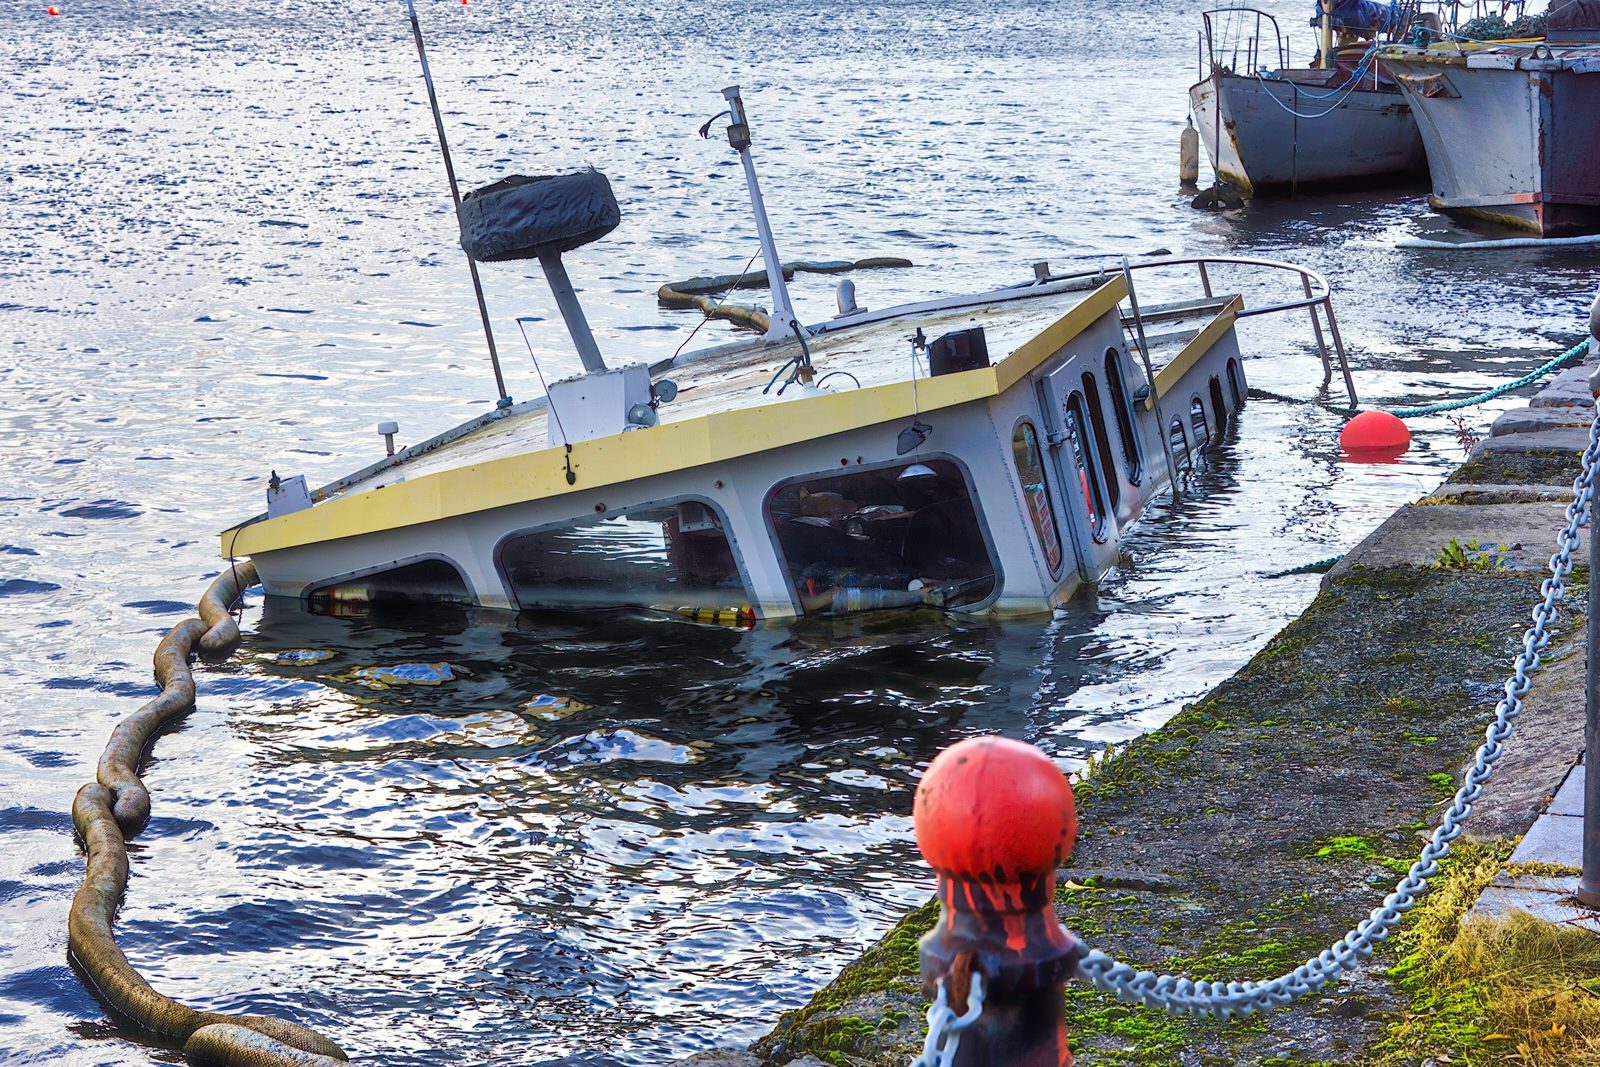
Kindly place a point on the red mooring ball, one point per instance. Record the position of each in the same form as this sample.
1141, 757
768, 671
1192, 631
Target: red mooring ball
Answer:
993, 807
1374, 432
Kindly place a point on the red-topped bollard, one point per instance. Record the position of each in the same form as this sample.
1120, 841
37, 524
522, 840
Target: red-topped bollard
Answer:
994, 819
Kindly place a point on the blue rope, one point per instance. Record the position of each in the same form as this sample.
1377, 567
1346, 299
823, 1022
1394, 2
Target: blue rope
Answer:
1532, 376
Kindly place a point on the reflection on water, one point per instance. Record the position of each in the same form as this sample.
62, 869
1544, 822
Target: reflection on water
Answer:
593, 837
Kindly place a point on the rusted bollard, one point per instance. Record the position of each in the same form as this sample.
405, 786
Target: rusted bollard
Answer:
994, 819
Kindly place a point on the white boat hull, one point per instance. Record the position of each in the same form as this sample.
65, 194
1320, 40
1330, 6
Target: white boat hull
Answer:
1510, 138
1258, 143
1043, 532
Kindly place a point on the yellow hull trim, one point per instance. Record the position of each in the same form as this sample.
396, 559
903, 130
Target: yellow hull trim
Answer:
1169, 376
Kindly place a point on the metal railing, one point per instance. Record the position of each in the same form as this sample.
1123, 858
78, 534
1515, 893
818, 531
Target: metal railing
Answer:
1243, 31
1317, 300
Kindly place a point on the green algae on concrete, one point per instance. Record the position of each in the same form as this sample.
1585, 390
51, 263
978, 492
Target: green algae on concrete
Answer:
1222, 845
1542, 467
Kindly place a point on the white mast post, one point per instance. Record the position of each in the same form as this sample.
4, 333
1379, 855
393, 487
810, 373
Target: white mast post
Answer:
739, 137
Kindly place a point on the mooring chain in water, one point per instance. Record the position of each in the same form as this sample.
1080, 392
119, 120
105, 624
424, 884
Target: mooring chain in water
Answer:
1185, 996
1576, 352
111, 810
945, 1026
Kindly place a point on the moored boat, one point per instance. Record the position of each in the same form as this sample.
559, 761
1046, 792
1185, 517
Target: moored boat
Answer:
975, 453
1339, 122
1511, 126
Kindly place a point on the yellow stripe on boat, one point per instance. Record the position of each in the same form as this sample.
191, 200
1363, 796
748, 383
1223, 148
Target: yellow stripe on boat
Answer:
671, 446
1221, 323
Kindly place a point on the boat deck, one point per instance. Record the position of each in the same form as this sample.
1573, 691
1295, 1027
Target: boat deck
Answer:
733, 376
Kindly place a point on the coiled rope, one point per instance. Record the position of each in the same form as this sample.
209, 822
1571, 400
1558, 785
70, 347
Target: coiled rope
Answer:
113, 809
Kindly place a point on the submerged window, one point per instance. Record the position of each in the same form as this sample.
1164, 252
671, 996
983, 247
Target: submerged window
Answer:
1089, 478
1102, 442
1122, 407
1178, 441
1030, 469
1197, 417
665, 556
425, 581
892, 537
1236, 383
1219, 407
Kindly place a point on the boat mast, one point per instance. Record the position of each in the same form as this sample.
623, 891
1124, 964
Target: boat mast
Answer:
739, 137
1328, 61
455, 196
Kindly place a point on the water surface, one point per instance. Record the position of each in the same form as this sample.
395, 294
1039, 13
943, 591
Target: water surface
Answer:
226, 249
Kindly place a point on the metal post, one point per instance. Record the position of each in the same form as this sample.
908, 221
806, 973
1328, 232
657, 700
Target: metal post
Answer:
455, 197
994, 819
571, 311
1150, 376
1338, 348
1589, 884
739, 138
1316, 324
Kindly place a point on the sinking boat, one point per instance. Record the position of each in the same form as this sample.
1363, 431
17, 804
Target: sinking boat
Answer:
1511, 126
1341, 121
976, 453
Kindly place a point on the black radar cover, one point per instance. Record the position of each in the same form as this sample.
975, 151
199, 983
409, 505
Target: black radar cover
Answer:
521, 217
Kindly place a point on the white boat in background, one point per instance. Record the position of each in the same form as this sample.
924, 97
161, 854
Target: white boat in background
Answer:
1512, 127
1275, 131
976, 453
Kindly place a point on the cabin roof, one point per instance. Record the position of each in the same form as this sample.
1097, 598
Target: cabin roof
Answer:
720, 414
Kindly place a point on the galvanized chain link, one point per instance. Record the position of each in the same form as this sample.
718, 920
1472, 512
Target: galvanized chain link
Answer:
1185, 996
945, 1026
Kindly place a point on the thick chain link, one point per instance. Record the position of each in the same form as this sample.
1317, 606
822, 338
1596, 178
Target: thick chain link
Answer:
1184, 996
945, 1026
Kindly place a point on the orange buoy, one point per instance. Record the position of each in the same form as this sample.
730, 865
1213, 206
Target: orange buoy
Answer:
995, 818
52, 10
1374, 436
994, 808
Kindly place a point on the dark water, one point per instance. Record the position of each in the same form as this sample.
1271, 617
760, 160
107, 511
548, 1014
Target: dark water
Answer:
225, 248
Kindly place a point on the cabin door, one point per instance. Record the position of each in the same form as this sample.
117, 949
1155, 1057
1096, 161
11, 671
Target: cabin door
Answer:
1075, 456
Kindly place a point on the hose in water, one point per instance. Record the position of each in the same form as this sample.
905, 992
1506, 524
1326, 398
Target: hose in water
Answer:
696, 292
113, 809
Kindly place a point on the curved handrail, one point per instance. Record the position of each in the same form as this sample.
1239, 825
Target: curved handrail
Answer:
1318, 294
1318, 288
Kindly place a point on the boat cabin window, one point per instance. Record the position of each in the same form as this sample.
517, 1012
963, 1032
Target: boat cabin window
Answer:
1197, 417
1236, 383
1077, 427
1036, 489
424, 581
1122, 408
1178, 442
1102, 442
891, 537
1219, 407
668, 556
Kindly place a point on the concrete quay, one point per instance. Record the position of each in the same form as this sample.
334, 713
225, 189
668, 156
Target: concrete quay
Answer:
1264, 820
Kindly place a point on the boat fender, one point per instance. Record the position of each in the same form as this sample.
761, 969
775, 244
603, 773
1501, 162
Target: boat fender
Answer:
1189, 155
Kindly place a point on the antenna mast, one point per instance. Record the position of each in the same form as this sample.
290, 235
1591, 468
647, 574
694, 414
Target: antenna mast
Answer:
455, 196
